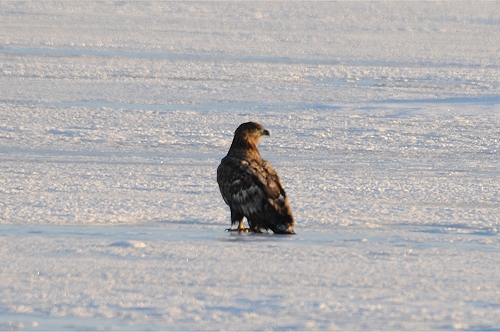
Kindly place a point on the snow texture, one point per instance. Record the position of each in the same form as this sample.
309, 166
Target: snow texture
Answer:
384, 120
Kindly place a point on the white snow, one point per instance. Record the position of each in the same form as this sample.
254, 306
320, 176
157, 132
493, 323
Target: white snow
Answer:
384, 120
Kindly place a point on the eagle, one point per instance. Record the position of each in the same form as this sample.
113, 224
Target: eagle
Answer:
251, 187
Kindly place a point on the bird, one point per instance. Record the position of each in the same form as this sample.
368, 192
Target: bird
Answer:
251, 187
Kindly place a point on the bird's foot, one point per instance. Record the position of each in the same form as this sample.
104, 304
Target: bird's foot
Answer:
239, 230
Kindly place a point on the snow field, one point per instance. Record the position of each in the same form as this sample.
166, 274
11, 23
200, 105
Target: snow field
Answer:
405, 166
384, 125
184, 280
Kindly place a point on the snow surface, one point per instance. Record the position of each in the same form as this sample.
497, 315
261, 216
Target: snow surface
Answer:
384, 120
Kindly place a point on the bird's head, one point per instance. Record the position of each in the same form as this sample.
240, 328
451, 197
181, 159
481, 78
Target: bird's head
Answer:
251, 132
247, 135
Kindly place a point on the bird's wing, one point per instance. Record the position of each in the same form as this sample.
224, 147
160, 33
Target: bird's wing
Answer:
238, 186
253, 188
271, 184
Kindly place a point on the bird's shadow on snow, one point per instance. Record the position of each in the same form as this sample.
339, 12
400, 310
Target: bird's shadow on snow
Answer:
255, 237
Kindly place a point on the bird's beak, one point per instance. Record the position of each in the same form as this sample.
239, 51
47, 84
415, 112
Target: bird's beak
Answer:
266, 132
